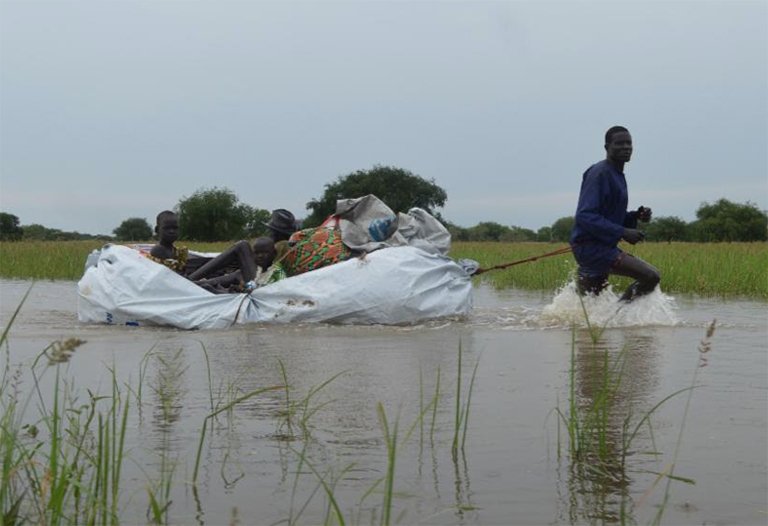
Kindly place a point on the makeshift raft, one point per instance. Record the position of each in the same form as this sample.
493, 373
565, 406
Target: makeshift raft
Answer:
391, 286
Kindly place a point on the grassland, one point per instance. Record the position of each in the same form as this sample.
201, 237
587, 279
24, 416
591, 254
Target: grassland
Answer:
705, 269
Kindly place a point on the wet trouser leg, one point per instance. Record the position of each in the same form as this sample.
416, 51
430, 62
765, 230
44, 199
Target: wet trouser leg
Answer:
240, 253
646, 276
591, 284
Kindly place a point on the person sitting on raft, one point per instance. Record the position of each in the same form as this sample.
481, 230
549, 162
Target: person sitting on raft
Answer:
196, 268
282, 224
165, 251
267, 270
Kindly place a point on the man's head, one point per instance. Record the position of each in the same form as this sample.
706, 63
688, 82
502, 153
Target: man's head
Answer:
281, 224
618, 145
263, 252
167, 227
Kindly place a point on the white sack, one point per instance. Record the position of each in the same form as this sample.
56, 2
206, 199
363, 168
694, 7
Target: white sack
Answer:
368, 224
420, 229
389, 286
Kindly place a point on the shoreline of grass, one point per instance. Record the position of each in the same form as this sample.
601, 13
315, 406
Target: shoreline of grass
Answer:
728, 270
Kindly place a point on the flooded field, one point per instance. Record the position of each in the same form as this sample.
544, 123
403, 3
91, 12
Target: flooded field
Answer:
555, 432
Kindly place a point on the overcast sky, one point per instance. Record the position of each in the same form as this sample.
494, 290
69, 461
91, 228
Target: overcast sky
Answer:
110, 110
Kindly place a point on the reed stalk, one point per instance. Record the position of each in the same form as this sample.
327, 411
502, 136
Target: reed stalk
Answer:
220, 410
461, 415
390, 439
704, 347
328, 488
587, 426
457, 414
436, 397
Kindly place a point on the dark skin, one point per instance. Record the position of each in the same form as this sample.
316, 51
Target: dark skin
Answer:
216, 274
167, 234
618, 152
239, 254
264, 252
227, 283
263, 255
167, 231
278, 236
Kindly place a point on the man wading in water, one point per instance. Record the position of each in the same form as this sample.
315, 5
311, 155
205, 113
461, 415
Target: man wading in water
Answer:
602, 220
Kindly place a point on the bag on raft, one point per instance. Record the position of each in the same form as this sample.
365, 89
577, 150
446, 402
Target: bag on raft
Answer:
314, 248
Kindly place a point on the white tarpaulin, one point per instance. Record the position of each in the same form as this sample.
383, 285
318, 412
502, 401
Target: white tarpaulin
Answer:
368, 224
389, 286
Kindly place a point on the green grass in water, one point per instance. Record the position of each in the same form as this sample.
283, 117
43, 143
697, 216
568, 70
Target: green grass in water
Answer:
705, 269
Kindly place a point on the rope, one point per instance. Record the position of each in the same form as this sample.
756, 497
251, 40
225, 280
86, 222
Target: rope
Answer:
526, 260
237, 314
479, 271
247, 294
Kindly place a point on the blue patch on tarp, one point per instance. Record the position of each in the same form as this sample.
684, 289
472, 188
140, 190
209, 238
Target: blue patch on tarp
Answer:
380, 229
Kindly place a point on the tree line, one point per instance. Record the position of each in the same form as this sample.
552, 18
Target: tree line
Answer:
11, 230
216, 214
719, 221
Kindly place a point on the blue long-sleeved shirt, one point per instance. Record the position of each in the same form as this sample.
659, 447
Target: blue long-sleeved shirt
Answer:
601, 217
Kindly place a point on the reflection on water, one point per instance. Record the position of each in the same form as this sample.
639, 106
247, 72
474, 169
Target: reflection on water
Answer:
166, 385
530, 362
612, 379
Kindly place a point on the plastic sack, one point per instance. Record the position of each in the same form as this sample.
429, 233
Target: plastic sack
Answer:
367, 224
391, 286
420, 229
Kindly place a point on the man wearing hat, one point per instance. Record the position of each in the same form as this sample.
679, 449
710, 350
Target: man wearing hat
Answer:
281, 225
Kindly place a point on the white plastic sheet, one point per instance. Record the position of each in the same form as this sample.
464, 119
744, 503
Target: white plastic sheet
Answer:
368, 224
395, 285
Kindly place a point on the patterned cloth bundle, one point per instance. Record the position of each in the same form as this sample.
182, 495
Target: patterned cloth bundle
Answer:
314, 248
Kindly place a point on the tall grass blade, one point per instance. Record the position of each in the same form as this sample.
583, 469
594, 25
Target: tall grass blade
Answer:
457, 416
704, 347
208, 372
435, 399
4, 335
389, 482
217, 412
328, 489
468, 404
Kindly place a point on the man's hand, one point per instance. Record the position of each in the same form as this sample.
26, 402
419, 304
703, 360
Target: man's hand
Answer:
632, 236
644, 214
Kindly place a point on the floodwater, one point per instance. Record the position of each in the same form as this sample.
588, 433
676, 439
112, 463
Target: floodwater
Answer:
515, 466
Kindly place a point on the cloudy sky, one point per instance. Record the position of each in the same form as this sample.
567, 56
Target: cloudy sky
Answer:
110, 110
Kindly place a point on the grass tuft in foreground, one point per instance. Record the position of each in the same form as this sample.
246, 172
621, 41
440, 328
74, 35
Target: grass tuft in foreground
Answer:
601, 429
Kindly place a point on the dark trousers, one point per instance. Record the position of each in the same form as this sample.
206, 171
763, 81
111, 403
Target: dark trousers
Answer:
646, 277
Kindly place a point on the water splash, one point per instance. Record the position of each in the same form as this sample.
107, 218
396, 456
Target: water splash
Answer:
605, 310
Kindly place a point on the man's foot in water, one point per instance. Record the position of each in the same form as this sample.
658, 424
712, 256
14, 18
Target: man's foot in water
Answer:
630, 294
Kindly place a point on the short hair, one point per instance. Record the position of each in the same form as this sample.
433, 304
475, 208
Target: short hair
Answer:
613, 130
163, 215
